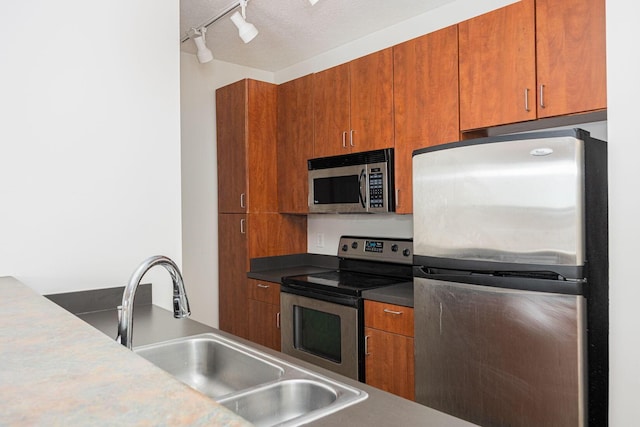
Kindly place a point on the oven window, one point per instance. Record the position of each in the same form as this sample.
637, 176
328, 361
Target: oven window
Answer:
336, 189
317, 332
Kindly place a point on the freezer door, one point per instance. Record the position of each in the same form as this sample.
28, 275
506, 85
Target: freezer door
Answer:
498, 357
514, 201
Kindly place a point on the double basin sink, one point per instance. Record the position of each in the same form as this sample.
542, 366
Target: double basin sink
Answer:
262, 389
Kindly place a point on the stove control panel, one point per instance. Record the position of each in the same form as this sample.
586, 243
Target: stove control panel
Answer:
383, 249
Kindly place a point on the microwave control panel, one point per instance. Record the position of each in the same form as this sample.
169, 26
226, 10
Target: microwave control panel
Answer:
376, 189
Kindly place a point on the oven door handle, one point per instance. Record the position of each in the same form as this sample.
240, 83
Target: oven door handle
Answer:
363, 196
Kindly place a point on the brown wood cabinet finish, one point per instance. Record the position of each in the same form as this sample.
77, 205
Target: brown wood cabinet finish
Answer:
295, 143
532, 59
353, 106
571, 56
425, 88
264, 313
233, 261
372, 101
331, 109
389, 359
497, 67
246, 134
246, 123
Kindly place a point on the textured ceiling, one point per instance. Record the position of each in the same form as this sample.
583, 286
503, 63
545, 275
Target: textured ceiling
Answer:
293, 30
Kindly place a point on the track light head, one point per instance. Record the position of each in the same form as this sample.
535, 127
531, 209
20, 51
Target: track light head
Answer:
198, 36
246, 30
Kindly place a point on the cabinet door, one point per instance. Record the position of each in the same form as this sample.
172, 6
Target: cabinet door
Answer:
232, 273
276, 234
231, 137
331, 111
497, 67
571, 56
261, 123
264, 327
371, 94
389, 362
295, 143
425, 85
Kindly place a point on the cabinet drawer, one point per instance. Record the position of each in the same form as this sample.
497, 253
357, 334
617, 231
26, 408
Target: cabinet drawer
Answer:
388, 317
261, 290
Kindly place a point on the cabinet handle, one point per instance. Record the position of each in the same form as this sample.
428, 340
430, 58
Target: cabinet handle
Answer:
397, 313
242, 231
366, 345
344, 139
260, 285
242, 204
542, 96
397, 197
351, 138
526, 100
278, 320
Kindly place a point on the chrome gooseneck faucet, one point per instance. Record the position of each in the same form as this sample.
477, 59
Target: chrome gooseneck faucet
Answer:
125, 312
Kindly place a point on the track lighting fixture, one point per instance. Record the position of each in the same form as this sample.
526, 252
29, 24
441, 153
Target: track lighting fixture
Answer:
198, 36
246, 30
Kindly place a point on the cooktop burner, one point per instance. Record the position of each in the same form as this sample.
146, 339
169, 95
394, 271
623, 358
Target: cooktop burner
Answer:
365, 263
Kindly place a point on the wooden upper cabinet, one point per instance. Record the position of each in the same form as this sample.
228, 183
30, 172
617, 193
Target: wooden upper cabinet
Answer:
231, 137
571, 55
425, 88
353, 106
372, 101
532, 59
295, 143
497, 67
246, 134
331, 111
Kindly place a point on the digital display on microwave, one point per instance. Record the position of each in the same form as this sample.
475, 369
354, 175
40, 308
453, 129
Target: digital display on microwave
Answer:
373, 246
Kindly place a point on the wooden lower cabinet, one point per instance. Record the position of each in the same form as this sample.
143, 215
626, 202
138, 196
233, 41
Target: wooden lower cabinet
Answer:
242, 237
264, 313
389, 359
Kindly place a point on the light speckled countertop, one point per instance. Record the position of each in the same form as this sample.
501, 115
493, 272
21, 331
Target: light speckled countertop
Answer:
58, 370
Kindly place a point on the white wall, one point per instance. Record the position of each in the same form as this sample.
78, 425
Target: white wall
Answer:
623, 69
89, 141
199, 178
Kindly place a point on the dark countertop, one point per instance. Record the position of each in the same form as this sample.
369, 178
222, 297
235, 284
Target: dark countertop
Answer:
273, 269
401, 294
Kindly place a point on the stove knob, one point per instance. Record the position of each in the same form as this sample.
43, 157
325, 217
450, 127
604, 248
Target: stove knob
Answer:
406, 252
354, 245
394, 248
345, 248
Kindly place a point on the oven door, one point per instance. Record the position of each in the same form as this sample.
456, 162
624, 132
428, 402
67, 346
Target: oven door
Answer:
320, 332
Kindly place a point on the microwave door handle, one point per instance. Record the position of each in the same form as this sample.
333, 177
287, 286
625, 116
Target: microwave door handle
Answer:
363, 197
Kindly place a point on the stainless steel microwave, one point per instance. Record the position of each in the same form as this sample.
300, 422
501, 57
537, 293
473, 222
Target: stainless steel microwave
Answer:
352, 183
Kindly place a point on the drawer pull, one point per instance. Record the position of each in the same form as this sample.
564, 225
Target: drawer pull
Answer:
397, 313
260, 285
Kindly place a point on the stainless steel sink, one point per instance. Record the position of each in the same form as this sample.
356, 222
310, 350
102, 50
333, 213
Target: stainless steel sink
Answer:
280, 402
261, 388
209, 365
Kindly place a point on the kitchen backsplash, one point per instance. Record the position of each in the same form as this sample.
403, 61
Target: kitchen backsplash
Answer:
324, 230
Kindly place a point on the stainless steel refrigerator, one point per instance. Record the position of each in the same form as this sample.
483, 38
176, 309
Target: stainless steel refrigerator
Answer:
511, 279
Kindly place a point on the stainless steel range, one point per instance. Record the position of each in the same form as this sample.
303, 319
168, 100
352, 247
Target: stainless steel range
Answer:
322, 319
